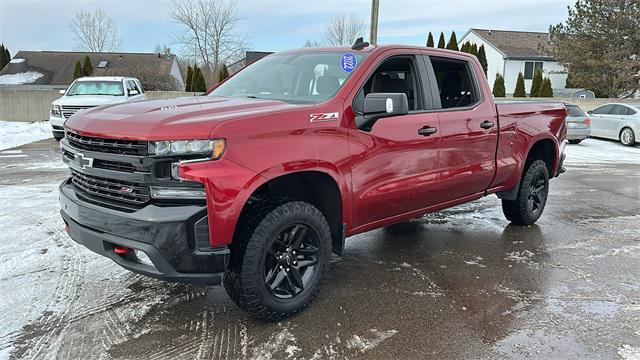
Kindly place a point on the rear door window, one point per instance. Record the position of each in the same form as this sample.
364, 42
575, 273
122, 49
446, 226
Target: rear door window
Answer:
456, 83
620, 110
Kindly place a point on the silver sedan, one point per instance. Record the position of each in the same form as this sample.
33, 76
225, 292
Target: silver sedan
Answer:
616, 121
578, 124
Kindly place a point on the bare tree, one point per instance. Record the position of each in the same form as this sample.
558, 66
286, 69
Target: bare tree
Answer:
209, 36
344, 30
312, 43
95, 32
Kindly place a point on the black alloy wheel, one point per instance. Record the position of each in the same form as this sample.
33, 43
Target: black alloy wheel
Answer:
291, 261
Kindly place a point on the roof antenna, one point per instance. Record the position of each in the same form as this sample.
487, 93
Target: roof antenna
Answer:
359, 44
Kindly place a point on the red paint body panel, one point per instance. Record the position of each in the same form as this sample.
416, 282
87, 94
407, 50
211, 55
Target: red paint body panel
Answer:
387, 175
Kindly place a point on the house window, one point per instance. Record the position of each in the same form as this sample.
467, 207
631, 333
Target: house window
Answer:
530, 68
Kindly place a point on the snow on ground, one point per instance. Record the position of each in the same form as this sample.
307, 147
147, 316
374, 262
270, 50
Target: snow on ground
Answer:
14, 134
601, 151
20, 78
17, 61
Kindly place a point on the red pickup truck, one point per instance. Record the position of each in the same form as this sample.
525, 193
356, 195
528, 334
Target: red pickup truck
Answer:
257, 183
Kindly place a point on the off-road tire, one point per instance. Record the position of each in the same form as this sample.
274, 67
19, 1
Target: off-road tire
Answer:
574, 142
627, 137
244, 278
518, 211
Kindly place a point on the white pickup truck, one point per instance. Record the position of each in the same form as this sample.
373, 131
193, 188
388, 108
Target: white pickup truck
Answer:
88, 92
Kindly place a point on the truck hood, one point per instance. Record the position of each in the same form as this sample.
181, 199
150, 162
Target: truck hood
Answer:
184, 118
89, 100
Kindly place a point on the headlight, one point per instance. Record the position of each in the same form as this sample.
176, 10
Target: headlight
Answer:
55, 111
213, 148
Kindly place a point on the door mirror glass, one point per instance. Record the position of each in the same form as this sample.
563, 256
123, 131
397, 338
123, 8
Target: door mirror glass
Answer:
381, 105
133, 92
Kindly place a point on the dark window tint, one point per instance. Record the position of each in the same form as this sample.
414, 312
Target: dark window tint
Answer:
602, 110
575, 111
530, 67
455, 82
394, 75
621, 110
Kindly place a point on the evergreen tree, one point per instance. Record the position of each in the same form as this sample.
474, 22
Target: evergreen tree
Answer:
87, 68
498, 86
473, 49
465, 47
77, 71
545, 89
519, 91
224, 73
198, 82
441, 41
7, 54
3, 57
430, 40
536, 84
482, 57
571, 83
189, 81
453, 42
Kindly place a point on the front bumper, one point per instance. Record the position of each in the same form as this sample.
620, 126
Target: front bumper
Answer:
57, 125
167, 234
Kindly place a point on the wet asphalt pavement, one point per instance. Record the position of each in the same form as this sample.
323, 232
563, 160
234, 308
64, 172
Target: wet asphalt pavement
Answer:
458, 284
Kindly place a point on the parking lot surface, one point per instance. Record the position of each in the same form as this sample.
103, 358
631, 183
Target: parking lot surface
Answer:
460, 283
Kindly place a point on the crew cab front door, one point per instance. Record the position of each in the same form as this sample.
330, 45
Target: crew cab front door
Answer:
394, 168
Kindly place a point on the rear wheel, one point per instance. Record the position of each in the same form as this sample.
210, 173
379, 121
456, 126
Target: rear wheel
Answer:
527, 208
627, 137
279, 260
574, 142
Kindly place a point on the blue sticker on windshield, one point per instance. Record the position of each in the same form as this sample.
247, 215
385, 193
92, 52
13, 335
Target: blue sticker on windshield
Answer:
348, 62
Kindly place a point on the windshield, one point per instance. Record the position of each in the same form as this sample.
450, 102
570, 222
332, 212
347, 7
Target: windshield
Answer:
113, 88
294, 78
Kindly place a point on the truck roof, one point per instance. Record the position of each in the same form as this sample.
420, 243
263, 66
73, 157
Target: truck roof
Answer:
370, 49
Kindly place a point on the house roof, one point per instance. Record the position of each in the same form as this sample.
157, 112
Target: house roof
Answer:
58, 66
518, 44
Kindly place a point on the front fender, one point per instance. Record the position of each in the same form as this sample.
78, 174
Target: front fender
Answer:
228, 187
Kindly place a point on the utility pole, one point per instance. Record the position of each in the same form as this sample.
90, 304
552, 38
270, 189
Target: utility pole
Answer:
373, 36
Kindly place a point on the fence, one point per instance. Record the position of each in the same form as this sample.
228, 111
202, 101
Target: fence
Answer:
33, 104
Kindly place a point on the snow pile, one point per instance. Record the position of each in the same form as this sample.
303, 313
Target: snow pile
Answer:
20, 78
601, 151
17, 61
14, 134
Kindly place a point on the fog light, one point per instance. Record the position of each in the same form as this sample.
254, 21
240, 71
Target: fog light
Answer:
177, 193
143, 258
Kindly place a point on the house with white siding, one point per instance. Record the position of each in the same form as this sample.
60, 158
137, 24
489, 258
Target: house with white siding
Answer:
511, 52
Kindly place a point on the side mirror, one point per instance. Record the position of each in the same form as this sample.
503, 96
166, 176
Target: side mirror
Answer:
381, 105
590, 112
133, 92
62, 92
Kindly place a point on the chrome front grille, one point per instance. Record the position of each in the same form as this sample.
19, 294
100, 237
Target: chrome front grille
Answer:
111, 189
112, 146
68, 110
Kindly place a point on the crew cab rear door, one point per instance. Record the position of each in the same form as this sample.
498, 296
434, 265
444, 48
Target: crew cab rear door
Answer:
394, 167
468, 125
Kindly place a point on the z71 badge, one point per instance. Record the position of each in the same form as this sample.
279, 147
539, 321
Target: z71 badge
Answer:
332, 116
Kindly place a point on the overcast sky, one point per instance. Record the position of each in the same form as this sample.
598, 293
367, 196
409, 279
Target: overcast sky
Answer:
272, 25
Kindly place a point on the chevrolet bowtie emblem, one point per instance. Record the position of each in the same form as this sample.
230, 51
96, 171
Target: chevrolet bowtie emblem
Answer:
84, 162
